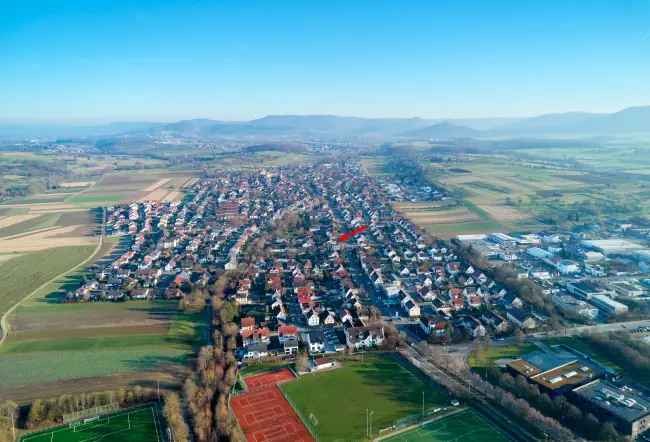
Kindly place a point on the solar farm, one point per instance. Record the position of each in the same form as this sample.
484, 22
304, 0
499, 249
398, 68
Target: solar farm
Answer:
136, 425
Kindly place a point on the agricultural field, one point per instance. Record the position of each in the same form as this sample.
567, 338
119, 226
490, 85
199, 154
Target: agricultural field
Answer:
47, 240
60, 348
444, 221
135, 425
622, 155
523, 190
23, 273
92, 346
49, 177
124, 187
502, 188
465, 426
381, 383
262, 158
373, 166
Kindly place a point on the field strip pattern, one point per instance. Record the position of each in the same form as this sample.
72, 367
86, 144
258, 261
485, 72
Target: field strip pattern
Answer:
4, 324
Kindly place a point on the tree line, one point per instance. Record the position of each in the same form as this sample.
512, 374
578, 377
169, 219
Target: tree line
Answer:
49, 412
559, 408
631, 354
202, 413
473, 383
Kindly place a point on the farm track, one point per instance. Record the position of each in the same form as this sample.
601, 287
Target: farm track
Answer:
4, 321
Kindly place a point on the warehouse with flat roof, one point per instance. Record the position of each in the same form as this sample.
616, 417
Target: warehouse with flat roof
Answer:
555, 372
614, 246
626, 407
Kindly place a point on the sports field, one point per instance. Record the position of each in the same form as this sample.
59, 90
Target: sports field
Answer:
335, 403
138, 425
466, 426
263, 413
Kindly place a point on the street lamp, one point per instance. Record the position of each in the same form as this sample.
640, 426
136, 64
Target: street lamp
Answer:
13, 424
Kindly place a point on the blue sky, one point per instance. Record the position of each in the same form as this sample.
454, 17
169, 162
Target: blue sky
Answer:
166, 60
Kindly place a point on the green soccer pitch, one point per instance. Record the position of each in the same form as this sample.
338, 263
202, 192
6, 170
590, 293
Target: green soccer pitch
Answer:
136, 425
466, 426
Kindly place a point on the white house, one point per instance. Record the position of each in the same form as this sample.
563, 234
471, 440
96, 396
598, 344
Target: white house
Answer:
364, 337
316, 341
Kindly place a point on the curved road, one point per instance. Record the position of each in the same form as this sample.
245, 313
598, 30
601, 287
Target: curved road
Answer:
4, 320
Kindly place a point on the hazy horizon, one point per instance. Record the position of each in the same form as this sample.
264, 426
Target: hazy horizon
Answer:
82, 122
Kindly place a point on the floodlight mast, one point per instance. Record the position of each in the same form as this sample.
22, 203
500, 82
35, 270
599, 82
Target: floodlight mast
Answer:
13, 425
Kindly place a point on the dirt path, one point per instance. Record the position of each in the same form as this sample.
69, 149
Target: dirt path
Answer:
4, 323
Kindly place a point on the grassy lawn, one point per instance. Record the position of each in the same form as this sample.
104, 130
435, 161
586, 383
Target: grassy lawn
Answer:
21, 275
485, 357
137, 425
382, 383
466, 426
262, 366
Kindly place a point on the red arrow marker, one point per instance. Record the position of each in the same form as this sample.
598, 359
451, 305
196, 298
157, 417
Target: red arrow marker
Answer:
351, 233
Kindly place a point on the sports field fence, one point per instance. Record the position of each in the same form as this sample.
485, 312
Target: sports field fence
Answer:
307, 422
90, 412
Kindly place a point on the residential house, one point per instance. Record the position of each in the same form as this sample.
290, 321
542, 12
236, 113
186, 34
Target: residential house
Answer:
364, 337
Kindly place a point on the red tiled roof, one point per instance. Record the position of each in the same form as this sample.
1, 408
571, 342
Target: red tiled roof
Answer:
304, 291
248, 321
288, 330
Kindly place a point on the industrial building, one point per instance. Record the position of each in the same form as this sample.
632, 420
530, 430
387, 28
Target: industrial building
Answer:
626, 407
608, 305
614, 246
555, 372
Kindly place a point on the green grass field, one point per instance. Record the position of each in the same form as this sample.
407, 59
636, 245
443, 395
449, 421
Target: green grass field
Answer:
485, 357
466, 426
52, 342
382, 383
57, 342
21, 275
256, 367
87, 200
40, 222
138, 425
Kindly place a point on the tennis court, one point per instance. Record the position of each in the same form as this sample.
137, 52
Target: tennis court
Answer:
466, 426
264, 414
136, 425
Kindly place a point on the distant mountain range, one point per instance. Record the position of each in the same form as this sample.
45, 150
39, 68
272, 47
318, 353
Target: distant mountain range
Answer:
633, 120
627, 121
443, 130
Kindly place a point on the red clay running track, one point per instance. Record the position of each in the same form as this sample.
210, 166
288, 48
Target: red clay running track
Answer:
264, 414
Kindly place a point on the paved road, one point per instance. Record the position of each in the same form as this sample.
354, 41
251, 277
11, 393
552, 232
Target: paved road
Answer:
600, 328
